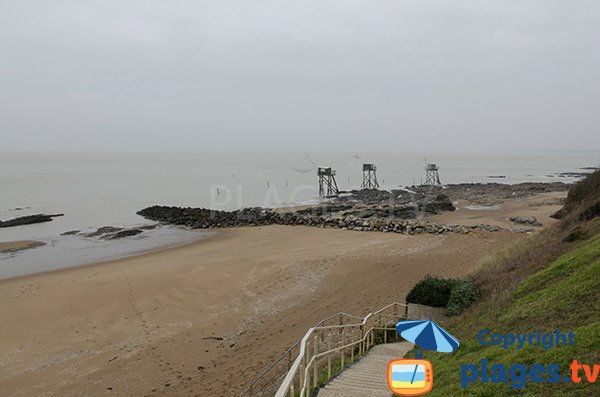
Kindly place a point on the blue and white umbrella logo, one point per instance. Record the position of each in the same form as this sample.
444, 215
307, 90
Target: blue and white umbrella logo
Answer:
427, 335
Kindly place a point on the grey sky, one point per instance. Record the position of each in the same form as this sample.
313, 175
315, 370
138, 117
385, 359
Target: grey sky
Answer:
415, 75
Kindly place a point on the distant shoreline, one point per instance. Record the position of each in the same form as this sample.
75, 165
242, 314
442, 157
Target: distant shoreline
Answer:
466, 219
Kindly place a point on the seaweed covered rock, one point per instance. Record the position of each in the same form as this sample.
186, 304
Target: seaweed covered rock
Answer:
28, 220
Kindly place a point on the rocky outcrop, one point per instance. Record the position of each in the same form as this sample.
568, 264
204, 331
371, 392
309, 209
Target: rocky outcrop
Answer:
28, 220
441, 204
476, 193
526, 220
407, 211
70, 233
103, 231
367, 196
112, 232
122, 234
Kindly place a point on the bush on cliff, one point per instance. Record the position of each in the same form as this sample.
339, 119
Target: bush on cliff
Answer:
456, 294
462, 296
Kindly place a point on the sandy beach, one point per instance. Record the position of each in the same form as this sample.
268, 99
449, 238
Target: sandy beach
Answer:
205, 318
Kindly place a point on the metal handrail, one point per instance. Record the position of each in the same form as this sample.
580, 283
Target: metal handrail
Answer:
287, 384
292, 372
307, 359
295, 345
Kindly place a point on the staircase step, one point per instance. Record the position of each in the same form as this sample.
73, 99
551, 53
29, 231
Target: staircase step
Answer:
367, 377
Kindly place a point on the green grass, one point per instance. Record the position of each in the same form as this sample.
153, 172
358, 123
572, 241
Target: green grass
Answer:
565, 294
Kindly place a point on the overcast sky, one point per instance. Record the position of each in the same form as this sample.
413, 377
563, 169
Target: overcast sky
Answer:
301, 75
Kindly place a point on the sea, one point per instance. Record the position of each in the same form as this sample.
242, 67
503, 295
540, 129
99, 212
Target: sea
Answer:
107, 189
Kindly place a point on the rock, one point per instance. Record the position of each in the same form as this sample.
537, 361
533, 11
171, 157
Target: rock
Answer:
367, 196
440, 204
526, 220
121, 234
28, 220
70, 233
408, 211
325, 209
572, 174
103, 230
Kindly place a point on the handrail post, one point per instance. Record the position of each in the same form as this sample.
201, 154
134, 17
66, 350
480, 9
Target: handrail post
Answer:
306, 384
342, 346
362, 340
352, 348
301, 379
329, 357
315, 364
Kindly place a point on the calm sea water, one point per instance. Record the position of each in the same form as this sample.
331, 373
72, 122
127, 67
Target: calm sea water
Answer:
94, 190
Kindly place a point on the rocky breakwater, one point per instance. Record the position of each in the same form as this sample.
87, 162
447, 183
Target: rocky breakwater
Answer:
206, 218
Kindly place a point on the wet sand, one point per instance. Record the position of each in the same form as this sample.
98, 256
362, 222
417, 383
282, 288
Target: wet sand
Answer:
12, 246
541, 206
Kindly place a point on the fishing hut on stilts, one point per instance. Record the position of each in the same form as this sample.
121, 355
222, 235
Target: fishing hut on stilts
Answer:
327, 185
369, 177
432, 176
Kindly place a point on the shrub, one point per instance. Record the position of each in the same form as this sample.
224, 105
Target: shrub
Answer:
462, 296
455, 294
432, 291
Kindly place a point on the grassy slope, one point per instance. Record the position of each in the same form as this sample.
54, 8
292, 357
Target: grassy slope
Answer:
552, 281
566, 295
